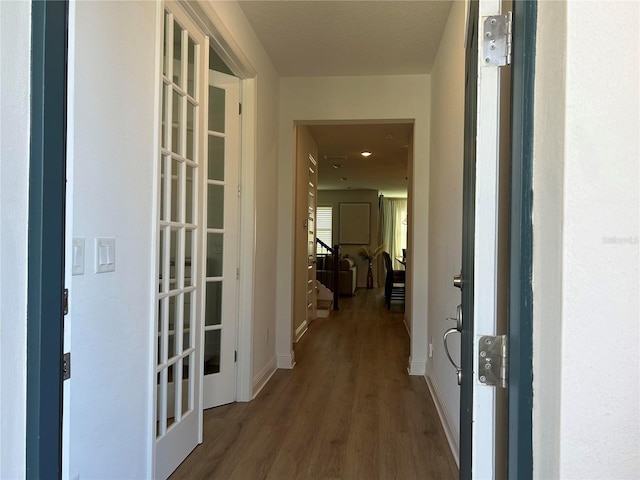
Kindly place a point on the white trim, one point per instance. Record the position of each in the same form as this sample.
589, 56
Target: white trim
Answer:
450, 430
417, 367
301, 330
153, 252
286, 361
263, 377
222, 40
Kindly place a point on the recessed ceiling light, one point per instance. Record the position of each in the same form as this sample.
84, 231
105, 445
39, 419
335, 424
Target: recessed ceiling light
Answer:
337, 165
366, 153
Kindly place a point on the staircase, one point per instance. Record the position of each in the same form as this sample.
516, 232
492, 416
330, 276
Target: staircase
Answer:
324, 300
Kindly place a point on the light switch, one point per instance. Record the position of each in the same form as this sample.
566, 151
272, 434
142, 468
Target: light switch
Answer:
105, 255
77, 256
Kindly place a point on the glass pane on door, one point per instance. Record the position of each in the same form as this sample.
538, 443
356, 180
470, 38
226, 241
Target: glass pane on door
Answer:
214, 254
212, 352
213, 310
216, 158
215, 208
216, 109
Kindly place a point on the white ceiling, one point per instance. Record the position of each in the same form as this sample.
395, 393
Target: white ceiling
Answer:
307, 38
340, 38
385, 170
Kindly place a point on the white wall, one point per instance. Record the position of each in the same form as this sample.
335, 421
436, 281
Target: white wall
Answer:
445, 218
378, 98
15, 84
586, 421
111, 315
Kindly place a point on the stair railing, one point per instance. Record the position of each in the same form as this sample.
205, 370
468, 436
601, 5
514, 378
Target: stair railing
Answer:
335, 254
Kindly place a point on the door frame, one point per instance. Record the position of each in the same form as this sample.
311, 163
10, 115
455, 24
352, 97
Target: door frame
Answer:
520, 317
46, 239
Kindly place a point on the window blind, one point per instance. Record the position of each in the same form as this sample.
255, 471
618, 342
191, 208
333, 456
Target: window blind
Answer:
324, 224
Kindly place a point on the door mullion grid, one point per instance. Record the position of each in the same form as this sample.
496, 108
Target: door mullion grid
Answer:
167, 226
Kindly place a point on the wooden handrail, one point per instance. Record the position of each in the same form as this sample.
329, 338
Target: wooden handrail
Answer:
324, 245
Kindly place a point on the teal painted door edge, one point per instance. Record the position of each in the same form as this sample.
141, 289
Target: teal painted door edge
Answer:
45, 284
520, 369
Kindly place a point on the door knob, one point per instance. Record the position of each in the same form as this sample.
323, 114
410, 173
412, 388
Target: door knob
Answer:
446, 350
457, 280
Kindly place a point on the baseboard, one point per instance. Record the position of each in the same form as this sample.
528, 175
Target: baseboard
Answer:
286, 361
300, 331
445, 419
417, 368
260, 380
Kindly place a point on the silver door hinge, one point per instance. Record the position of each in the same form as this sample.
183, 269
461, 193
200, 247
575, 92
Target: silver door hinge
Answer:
239, 109
65, 301
492, 360
66, 366
496, 40
237, 273
238, 191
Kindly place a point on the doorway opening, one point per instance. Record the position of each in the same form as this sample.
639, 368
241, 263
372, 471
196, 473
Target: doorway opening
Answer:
349, 179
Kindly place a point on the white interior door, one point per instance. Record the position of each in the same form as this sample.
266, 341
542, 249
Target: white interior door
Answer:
221, 193
180, 157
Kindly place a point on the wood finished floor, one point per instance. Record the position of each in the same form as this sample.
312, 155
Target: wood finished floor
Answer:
348, 410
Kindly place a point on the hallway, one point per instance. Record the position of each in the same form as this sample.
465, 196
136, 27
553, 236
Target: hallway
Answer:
348, 410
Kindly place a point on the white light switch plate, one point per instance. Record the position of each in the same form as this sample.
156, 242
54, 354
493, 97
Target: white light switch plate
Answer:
105, 255
77, 256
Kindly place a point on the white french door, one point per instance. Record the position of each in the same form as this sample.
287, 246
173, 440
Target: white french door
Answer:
221, 193
180, 157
